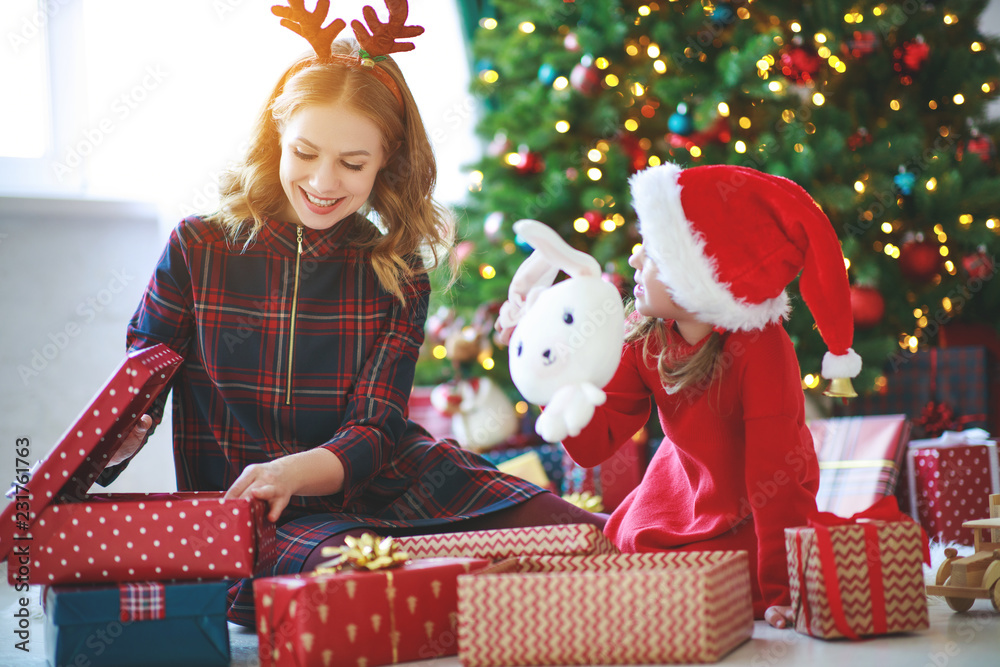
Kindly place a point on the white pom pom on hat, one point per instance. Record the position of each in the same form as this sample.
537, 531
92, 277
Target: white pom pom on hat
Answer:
728, 240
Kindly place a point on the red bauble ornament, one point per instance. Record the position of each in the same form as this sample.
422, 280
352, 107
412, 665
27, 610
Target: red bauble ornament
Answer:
859, 139
585, 79
909, 58
800, 64
867, 306
919, 260
979, 145
979, 265
636, 154
529, 162
862, 43
594, 220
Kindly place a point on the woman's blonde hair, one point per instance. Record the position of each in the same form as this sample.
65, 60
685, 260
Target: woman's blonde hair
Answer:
411, 222
696, 371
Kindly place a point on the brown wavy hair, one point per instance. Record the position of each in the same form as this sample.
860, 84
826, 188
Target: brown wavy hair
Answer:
696, 371
410, 221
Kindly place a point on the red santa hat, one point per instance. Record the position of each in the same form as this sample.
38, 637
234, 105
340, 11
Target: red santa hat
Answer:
728, 240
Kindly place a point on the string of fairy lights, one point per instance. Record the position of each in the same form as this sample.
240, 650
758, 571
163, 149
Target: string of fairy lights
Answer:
773, 69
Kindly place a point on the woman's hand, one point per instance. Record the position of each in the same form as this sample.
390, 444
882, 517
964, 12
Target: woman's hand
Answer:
779, 616
132, 441
267, 481
317, 472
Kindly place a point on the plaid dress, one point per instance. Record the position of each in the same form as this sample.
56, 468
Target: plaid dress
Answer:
259, 383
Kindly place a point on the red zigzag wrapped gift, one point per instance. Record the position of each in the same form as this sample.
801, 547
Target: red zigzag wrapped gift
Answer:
856, 578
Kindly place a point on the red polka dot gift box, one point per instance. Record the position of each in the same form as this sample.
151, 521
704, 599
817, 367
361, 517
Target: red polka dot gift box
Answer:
951, 478
53, 531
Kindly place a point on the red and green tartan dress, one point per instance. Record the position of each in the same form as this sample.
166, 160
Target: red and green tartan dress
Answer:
258, 384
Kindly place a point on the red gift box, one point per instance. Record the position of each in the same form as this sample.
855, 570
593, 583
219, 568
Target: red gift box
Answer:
359, 617
951, 478
55, 532
860, 459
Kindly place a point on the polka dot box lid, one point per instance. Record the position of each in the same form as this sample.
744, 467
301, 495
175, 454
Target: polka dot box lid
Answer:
66, 473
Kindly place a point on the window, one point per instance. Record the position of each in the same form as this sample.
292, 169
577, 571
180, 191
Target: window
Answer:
151, 100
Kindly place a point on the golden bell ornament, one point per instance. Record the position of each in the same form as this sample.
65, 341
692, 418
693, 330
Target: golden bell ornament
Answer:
840, 388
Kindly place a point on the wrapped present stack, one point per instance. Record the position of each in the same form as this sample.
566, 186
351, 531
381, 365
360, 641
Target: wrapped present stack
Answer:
860, 576
112, 554
951, 478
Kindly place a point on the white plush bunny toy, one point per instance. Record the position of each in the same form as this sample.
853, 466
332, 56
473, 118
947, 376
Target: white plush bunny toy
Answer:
565, 339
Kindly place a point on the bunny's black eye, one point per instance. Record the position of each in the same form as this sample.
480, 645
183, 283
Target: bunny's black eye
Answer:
520, 346
568, 318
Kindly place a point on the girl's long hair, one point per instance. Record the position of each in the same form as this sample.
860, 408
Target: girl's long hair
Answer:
695, 371
410, 221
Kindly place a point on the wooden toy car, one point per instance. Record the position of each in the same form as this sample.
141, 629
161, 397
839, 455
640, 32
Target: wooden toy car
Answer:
963, 580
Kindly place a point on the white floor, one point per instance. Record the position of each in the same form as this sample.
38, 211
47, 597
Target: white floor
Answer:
953, 640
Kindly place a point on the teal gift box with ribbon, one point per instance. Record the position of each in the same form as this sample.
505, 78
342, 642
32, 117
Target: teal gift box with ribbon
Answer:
152, 624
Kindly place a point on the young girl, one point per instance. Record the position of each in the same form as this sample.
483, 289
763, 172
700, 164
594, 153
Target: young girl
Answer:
300, 320
705, 342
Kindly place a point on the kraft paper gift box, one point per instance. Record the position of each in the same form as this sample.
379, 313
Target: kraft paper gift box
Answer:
565, 539
650, 608
54, 532
951, 478
857, 577
153, 624
860, 460
352, 618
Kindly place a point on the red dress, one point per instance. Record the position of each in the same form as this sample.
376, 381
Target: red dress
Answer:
737, 464
254, 386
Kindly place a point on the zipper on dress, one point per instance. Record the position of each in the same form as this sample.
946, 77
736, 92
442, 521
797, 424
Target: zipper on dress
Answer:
295, 304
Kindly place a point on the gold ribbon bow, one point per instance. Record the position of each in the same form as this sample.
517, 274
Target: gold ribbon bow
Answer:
367, 552
585, 500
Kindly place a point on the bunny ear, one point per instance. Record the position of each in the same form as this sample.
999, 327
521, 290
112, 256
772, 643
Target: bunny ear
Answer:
535, 271
555, 250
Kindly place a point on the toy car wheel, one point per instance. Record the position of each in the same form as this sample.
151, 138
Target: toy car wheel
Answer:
995, 595
958, 604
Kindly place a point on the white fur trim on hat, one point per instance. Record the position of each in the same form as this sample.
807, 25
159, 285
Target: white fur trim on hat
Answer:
841, 365
679, 252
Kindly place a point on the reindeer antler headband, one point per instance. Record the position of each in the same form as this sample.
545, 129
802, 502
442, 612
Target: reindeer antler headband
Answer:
375, 46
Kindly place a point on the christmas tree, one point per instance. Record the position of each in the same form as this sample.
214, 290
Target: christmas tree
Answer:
877, 109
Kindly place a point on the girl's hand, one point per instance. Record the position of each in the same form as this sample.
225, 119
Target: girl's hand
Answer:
779, 616
132, 441
266, 481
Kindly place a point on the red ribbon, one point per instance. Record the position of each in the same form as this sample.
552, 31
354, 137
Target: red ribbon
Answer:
886, 509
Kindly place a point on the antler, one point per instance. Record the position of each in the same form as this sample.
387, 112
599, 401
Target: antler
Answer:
382, 40
308, 24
